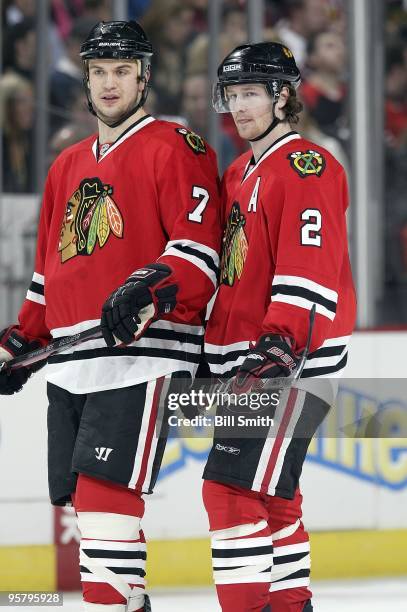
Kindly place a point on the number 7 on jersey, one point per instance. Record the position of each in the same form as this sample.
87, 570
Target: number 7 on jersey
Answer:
201, 194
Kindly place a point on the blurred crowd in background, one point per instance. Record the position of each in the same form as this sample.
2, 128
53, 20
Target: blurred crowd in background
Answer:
316, 32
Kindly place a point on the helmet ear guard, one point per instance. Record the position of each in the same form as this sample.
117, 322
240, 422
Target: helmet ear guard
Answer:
274, 88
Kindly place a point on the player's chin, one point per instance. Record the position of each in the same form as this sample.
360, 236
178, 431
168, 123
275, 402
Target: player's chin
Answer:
110, 114
247, 131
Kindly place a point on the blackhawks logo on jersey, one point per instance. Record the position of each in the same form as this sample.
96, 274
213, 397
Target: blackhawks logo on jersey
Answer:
195, 142
91, 216
307, 163
235, 247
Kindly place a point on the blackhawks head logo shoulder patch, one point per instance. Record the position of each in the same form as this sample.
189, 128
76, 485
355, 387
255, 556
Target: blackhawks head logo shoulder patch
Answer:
235, 247
307, 163
91, 216
195, 142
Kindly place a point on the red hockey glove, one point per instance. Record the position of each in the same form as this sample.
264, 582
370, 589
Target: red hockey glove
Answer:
13, 344
271, 357
133, 306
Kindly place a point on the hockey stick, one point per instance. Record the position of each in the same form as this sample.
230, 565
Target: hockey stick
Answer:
297, 374
52, 348
305, 353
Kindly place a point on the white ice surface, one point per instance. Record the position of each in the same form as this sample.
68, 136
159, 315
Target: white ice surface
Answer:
381, 595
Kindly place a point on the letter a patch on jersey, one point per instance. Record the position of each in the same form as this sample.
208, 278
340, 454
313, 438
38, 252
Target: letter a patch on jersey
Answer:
307, 163
252, 207
235, 247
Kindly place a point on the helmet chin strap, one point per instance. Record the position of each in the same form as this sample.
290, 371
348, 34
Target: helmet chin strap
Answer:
270, 128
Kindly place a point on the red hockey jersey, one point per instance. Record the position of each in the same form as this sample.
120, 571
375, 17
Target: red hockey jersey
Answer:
152, 195
284, 249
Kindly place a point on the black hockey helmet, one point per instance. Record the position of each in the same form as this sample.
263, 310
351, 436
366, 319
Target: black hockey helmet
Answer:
268, 62
117, 40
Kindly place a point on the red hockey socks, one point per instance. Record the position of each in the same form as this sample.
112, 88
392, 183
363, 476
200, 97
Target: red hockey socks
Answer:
260, 550
242, 548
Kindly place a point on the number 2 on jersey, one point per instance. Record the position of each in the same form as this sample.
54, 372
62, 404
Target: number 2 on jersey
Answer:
201, 194
310, 231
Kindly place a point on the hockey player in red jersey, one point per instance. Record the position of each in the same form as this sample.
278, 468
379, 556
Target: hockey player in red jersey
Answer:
284, 251
129, 235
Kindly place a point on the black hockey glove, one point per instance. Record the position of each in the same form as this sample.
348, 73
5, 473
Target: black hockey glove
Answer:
271, 357
13, 344
133, 306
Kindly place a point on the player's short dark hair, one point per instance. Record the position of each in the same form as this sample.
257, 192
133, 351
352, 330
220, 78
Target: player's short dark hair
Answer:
293, 106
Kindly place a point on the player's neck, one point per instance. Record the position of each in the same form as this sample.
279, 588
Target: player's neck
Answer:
265, 143
108, 134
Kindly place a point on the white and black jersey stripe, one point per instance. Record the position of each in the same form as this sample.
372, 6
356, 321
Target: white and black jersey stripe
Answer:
224, 360
35, 291
304, 293
165, 347
202, 256
159, 340
329, 360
